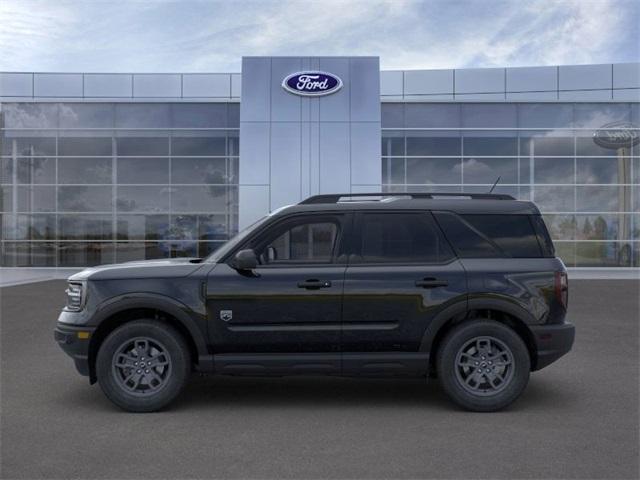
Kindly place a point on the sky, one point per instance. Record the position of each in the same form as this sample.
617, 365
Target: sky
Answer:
212, 36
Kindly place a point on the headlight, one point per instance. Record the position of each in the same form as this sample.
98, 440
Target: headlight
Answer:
75, 296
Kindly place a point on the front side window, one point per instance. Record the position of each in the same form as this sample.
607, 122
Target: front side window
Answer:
300, 242
401, 237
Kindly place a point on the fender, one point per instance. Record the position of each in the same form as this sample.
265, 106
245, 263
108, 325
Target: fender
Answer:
495, 302
459, 308
178, 310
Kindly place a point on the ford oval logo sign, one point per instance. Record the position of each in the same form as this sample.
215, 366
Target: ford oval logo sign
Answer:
617, 135
312, 84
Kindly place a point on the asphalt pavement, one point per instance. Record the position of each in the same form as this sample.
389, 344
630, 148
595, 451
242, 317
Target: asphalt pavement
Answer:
578, 418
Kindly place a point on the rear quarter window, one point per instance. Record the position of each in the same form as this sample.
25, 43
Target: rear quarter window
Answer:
488, 235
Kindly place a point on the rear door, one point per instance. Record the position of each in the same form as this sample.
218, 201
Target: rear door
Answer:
401, 274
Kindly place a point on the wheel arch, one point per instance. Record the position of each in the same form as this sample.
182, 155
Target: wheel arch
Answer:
119, 311
498, 309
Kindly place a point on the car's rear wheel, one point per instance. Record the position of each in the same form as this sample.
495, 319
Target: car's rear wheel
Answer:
143, 365
483, 365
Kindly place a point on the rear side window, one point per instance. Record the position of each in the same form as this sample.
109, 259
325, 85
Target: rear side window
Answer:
467, 242
492, 235
544, 238
402, 237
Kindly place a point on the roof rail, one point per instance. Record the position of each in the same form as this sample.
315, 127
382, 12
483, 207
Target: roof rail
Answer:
336, 197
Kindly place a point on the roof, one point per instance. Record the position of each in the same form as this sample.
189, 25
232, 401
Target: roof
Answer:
458, 203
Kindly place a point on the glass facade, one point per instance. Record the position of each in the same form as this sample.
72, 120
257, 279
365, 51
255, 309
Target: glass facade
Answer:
92, 183
544, 152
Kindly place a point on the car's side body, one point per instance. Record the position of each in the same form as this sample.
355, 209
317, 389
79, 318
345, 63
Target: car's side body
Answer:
339, 317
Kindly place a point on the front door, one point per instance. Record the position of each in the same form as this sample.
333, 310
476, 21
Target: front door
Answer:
402, 273
291, 304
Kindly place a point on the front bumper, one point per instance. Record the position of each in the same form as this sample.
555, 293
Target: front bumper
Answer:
75, 343
552, 342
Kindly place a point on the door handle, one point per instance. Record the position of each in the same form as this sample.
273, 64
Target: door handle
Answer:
431, 283
314, 284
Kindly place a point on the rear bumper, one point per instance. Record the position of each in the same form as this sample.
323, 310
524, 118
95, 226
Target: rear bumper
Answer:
74, 345
552, 342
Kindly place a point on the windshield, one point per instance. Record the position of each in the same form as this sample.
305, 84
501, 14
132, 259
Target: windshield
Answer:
234, 241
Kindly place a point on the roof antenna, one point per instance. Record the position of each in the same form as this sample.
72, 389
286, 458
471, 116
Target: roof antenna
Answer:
494, 185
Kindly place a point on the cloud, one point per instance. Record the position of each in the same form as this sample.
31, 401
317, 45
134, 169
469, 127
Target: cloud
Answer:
68, 35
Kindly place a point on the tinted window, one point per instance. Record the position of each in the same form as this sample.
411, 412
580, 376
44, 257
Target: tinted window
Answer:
311, 242
402, 237
467, 242
514, 234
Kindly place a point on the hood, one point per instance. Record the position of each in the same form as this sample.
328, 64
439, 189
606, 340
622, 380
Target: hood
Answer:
162, 268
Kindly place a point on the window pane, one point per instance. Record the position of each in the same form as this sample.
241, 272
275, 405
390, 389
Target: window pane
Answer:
199, 170
198, 146
6, 170
131, 251
546, 146
489, 115
467, 242
434, 170
487, 170
142, 115
36, 170
310, 242
84, 199
201, 199
143, 199
554, 199
514, 234
553, 170
36, 199
85, 227
432, 145
84, 146
29, 146
392, 144
602, 254
199, 115
490, 146
402, 237
84, 254
29, 227
603, 170
545, 115
143, 170
393, 170
392, 115
84, 170
597, 115
426, 115
30, 115
561, 227
598, 199
142, 146
79, 115
29, 254
142, 227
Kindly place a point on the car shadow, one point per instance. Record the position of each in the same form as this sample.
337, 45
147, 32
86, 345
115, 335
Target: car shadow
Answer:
208, 392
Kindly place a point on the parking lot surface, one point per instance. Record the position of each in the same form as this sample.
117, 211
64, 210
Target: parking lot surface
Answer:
578, 418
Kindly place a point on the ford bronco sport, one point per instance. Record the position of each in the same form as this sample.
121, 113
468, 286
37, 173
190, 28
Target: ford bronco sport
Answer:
462, 287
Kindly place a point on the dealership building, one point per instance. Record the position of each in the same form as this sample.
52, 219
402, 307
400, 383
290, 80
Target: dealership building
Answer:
101, 167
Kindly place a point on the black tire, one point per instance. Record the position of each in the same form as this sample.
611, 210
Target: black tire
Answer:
460, 358
165, 377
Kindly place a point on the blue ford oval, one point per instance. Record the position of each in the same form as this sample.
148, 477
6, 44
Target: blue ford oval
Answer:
312, 84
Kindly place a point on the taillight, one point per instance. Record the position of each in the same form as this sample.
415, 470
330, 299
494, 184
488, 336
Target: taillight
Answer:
562, 288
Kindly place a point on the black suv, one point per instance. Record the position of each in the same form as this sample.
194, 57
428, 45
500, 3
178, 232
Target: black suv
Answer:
463, 287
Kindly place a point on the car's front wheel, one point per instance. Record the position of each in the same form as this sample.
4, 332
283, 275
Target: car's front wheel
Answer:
143, 365
483, 365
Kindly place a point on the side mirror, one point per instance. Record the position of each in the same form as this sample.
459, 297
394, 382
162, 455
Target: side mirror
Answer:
245, 260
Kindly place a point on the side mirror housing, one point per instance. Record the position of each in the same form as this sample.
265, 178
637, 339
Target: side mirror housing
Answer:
245, 260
